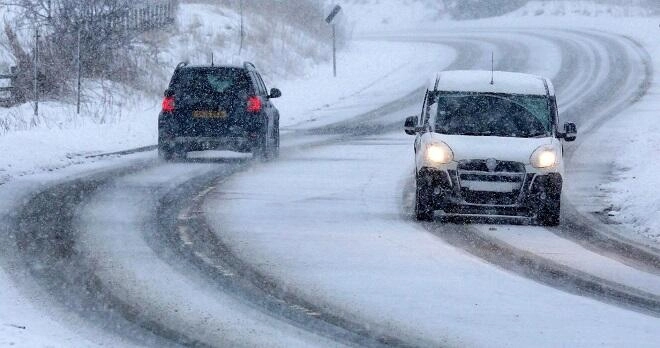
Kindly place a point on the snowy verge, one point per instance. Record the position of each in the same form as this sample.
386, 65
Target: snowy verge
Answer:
634, 194
579, 9
379, 15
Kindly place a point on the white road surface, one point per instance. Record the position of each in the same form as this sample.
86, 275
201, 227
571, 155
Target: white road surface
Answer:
330, 223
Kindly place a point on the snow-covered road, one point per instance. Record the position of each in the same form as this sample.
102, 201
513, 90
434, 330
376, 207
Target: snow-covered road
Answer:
332, 225
318, 248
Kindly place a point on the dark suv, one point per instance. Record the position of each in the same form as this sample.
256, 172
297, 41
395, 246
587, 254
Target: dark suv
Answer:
218, 108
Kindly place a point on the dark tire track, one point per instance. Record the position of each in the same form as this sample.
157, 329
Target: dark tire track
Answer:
207, 253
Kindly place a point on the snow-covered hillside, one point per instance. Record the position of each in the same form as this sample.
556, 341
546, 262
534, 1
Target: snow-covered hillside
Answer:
202, 30
116, 116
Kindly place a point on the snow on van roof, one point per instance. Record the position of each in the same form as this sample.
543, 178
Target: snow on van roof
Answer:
504, 82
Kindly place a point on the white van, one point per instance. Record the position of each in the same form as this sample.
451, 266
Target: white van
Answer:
488, 143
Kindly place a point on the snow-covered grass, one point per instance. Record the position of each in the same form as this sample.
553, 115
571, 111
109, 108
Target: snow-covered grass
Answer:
634, 194
209, 31
580, 9
377, 15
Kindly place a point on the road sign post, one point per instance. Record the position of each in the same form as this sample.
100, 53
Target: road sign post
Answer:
330, 20
334, 50
79, 63
240, 47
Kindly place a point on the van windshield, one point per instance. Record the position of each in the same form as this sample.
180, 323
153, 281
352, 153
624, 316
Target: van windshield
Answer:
493, 115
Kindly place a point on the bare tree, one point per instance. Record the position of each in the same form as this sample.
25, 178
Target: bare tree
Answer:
107, 29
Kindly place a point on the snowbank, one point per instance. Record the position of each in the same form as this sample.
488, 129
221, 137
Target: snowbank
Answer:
379, 15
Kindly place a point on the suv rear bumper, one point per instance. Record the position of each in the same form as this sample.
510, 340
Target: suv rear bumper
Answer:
184, 144
178, 134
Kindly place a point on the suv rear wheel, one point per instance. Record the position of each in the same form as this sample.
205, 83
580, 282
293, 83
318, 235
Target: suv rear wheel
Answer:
165, 151
165, 154
275, 151
262, 150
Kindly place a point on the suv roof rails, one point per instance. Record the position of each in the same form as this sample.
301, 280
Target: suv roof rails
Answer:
249, 66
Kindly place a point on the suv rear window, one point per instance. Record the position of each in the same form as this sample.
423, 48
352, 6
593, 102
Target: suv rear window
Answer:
210, 81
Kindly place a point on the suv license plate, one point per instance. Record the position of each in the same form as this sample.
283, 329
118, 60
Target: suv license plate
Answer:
209, 114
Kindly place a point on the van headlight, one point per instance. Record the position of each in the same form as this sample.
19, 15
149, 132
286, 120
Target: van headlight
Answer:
544, 157
439, 153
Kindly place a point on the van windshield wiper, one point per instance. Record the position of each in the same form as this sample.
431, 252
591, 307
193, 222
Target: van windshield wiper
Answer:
535, 135
483, 134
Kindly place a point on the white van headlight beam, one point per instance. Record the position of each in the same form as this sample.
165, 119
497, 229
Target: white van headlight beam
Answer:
439, 153
544, 157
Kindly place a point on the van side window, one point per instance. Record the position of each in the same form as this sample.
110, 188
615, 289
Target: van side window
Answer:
432, 113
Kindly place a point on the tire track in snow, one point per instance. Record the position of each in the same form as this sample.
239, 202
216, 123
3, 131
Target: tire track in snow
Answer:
214, 259
46, 243
46, 234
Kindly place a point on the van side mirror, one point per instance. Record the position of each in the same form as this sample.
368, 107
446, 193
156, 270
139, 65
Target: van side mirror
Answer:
169, 93
411, 125
275, 93
570, 131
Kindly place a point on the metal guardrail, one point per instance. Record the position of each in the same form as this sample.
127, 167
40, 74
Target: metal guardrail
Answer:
10, 99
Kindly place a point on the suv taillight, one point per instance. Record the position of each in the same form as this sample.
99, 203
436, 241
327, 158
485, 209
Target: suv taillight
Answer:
168, 104
254, 104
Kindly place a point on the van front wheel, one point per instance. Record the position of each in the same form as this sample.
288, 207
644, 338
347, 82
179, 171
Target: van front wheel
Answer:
423, 201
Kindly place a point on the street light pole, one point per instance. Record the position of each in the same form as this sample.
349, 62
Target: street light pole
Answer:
79, 72
36, 73
240, 48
